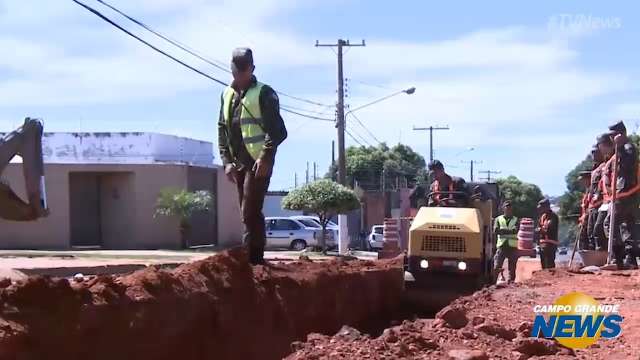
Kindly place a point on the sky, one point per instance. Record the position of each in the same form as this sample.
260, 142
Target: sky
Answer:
527, 86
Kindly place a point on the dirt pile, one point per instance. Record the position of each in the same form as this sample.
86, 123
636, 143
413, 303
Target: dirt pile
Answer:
495, 323
215, 308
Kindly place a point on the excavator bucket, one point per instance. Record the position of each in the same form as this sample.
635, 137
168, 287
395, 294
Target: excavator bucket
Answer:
25, 141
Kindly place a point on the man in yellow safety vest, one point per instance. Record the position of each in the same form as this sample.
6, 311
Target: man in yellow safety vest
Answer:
249, 130
506, 228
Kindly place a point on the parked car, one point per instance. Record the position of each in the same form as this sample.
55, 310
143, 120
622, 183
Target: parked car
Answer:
332, 228
375, 237
283, 232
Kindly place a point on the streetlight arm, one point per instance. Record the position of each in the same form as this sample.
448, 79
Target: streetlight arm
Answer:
408, 91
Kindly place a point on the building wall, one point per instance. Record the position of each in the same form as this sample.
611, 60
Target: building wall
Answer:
228, 211
128, 195
273, 206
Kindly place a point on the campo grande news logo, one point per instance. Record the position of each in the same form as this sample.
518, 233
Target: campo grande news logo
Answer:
577, 321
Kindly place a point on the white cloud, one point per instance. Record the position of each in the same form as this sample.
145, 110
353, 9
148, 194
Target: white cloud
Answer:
512, 86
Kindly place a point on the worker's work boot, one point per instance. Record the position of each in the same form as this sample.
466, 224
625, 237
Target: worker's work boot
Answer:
630, 262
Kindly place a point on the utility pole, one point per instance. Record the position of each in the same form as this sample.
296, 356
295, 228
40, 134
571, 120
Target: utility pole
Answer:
315, 172
307, 174
489, 172
471, 162
340, 125
431, 129
295, 180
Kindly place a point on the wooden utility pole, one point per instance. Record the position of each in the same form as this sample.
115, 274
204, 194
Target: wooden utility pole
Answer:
487, 178
340, 125
471, 162
431, 129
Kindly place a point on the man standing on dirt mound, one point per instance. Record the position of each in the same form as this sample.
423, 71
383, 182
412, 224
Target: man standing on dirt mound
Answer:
548, 232
250, 129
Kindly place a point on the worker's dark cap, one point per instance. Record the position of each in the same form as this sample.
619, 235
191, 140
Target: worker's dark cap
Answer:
435, 164
605, 139
584, 174
544, 202
241, 59
618, 127
506, 203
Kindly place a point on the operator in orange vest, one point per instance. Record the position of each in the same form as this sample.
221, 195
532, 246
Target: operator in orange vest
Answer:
548, 234
446, 190
601, 198
585, 180
626, 202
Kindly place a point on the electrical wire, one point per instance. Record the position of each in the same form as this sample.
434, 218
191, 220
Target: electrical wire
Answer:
365, 128
216, 63
158, 50
352, 137
358, 134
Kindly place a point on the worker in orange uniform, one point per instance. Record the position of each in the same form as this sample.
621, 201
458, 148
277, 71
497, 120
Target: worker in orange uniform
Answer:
548, 234
602, 197
446, 190
585, 180
627, 194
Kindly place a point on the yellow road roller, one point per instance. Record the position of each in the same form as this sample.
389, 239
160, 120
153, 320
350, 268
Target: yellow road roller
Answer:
450, 249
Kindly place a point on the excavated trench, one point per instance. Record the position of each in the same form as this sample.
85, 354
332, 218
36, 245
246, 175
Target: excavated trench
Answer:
218, 308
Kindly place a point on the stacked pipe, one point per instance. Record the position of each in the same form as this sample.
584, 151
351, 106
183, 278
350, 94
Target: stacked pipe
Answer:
525, 237
391, 238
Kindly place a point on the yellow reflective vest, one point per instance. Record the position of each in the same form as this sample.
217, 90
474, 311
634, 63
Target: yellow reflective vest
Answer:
250, 118
503, 224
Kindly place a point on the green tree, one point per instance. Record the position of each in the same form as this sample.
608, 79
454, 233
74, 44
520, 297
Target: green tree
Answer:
181, 204
524, 197
375, 167
324, 198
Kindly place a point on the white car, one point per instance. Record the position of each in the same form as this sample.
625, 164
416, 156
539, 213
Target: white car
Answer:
375, 237
283, 232
331, 226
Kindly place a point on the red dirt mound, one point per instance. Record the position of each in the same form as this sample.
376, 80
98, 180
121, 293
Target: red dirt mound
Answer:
494, 323
218, 308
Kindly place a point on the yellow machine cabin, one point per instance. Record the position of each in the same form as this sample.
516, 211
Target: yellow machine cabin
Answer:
450, 246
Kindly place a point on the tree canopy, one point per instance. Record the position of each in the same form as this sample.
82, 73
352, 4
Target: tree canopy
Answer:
524, 197
323, 198
365, 166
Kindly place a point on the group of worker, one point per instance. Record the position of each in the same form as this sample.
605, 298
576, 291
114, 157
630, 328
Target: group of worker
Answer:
506, 227
450, 191
610, 200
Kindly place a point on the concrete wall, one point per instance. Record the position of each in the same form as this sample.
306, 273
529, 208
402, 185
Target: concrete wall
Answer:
124, 148
129, 194
228, 211
273, 206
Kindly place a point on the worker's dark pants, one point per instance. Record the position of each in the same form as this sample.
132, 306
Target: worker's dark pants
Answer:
251, 191
548, 256
623, 242
583, 236
599, 237
509, 253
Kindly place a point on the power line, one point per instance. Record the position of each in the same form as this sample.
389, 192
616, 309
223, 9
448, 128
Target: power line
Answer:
431, 129
358, 134
489, 173
365, 128
352, 137
113, 23
216, 63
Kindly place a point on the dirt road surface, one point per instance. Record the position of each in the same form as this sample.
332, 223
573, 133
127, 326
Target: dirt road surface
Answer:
494, 323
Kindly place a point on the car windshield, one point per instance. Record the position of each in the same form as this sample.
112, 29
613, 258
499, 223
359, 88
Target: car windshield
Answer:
377, 230
309, 223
